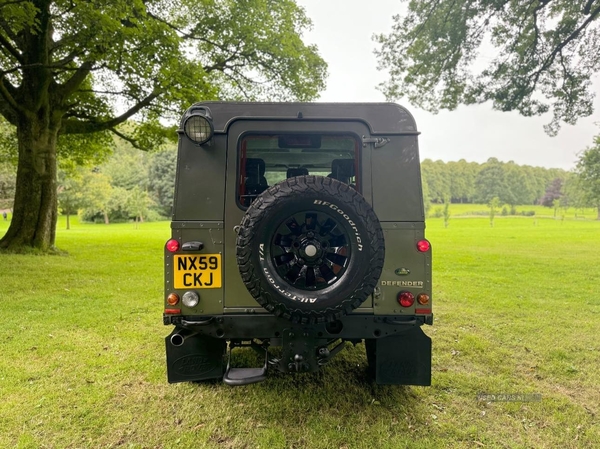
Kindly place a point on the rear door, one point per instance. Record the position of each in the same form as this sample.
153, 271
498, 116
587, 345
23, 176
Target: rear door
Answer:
255, 157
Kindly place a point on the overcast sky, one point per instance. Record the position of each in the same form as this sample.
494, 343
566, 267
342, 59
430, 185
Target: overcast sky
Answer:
343, 31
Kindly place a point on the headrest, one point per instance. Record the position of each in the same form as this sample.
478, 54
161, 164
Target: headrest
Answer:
255, 167
300, 171
342, 168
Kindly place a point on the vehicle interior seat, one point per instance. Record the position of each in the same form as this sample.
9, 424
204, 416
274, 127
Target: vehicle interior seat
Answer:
255, 182
300, 171
342, 170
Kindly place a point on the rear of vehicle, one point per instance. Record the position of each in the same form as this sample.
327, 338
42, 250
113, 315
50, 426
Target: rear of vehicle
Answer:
297, 228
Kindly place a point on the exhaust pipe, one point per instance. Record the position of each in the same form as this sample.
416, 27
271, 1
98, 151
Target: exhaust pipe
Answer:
180, 336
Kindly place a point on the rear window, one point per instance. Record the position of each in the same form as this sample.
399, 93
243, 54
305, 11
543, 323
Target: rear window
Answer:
265, 160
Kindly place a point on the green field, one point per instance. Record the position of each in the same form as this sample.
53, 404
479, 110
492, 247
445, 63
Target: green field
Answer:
516, 309
470, 210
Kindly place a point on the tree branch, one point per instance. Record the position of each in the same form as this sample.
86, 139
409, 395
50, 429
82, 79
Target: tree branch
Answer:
83, 127
66, 60
185, 34
558, 49
7, 112
588, 6
131, 140
107, 92
12, 50
222, 64
71, 85
7, 29
7, 91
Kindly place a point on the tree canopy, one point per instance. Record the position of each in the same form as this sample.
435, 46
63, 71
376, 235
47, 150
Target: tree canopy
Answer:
588, 171
71, 69
512, 184
532, 56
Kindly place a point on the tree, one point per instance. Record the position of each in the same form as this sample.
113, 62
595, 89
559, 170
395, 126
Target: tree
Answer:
8, 165
97, 196
545, 53
489, 182
494, 204
7, 185
462, 180
519, 188
70, 193
436, 177
446, 211
553, 193
137, 204
588, 172
573, 195
127, 167
71, 68
162, 179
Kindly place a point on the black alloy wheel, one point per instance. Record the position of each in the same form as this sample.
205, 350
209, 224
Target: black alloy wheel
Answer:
311, 250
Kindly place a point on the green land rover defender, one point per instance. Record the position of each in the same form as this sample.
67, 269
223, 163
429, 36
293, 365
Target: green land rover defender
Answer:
297, 227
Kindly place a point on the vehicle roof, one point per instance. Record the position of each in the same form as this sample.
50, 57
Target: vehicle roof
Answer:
381, 118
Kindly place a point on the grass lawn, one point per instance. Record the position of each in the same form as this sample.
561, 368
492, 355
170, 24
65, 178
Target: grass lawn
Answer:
516, 309
482, 210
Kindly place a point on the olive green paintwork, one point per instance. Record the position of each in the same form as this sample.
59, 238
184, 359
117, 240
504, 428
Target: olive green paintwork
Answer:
205, 207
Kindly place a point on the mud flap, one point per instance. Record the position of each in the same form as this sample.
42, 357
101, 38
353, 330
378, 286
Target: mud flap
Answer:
403, 359
194, 357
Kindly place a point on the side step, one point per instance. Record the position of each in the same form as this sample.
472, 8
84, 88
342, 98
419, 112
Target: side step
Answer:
245, 376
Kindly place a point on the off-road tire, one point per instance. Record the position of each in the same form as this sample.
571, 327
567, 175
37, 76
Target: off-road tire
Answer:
310, 195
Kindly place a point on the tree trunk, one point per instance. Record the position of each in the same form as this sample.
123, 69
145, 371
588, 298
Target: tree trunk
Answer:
68, 222
598, 217
35, 208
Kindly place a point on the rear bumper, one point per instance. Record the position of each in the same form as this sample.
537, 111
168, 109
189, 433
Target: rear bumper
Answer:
349, 327
398, 351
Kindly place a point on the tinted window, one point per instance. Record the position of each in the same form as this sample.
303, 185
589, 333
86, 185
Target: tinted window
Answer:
265, 160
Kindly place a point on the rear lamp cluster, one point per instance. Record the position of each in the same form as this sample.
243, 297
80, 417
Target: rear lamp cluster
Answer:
407, 299
189, 299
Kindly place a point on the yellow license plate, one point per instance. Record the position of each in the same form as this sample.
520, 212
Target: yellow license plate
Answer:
197, 271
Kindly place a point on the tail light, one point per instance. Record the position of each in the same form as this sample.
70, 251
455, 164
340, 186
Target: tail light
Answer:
406, 299
173, 246
423, 246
